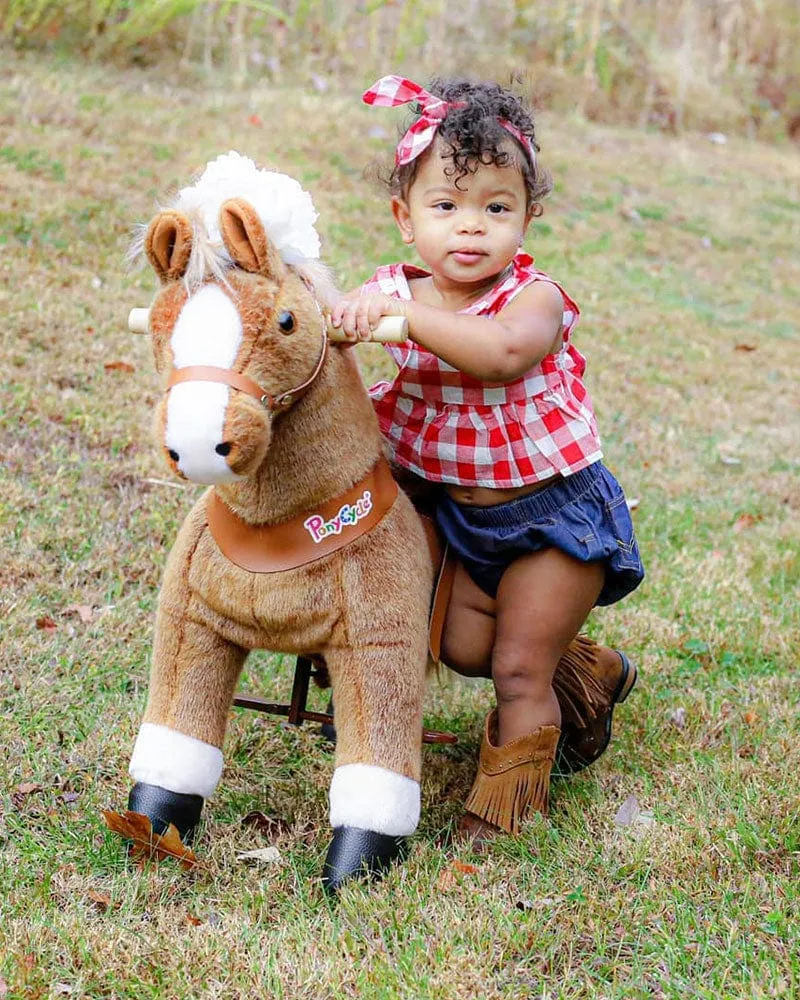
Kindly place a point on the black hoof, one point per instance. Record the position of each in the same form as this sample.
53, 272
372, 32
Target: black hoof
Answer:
163, 807
354, 853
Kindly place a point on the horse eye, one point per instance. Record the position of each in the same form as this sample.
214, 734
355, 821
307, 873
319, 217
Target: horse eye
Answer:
286, 322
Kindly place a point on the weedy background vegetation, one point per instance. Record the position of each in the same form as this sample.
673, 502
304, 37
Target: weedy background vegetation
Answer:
710, 64
683, 254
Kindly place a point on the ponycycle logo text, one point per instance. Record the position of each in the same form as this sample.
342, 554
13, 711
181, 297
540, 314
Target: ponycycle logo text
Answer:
349, 514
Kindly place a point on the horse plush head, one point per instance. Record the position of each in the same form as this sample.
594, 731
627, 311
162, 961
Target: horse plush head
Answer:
237, 327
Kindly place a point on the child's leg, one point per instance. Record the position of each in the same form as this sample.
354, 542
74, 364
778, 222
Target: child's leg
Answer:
469, 628
543, 600
588, 691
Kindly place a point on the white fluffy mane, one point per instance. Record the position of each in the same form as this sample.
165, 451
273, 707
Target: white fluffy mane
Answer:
286, 210
284, 207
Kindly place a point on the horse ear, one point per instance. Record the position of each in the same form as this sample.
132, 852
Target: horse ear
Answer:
168, 244
246, 239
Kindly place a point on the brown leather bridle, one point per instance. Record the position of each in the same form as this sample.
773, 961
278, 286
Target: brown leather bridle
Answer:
243, 383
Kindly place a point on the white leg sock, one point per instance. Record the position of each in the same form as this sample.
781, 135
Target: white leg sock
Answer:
172, 760
373, 798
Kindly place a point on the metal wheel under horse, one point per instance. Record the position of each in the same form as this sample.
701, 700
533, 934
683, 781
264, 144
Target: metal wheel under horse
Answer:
303, 544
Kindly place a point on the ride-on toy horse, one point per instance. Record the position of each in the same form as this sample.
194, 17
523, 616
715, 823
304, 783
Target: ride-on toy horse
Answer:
304, 544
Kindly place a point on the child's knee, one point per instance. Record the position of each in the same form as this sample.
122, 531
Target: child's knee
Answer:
520, 671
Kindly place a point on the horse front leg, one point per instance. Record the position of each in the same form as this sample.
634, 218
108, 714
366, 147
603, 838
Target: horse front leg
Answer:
375, 791
177, 758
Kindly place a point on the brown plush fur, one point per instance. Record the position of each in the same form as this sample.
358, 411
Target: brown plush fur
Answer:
364, 608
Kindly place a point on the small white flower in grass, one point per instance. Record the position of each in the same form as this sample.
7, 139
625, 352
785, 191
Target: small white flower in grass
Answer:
286, 210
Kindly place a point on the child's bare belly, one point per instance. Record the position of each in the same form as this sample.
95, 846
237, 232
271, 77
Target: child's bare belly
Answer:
485, 496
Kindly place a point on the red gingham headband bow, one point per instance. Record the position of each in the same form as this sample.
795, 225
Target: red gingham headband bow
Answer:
392, 91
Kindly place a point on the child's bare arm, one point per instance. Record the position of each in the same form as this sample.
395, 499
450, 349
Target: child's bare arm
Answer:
493, 349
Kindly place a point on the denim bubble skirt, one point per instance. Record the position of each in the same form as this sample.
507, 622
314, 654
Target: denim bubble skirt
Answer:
584, 515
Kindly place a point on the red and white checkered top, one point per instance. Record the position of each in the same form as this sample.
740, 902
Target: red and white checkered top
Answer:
449, 427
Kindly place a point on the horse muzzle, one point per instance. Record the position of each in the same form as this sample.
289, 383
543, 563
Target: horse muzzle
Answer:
212, 434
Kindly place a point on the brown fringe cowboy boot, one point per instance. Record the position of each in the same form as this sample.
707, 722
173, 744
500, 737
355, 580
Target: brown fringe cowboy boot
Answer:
589, 682
512, 782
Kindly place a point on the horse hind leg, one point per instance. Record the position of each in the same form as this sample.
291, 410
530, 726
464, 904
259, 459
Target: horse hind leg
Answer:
177, 759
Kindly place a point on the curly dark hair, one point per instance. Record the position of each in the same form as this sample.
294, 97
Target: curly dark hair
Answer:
475, 136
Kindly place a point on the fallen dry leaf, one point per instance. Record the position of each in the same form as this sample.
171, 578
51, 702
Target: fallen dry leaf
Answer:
271, 827
21, 792
630, 814
307, 833
713, 734
15, 681
746, 347
146, 845
446, 880
269, 855
83, 611
627, 812
745, 521
101, 899
119, 366
46, 623
750, 718
450, 876
27, 788
194, 921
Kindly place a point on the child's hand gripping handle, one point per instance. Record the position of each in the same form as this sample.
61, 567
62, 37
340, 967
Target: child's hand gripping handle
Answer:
390, 329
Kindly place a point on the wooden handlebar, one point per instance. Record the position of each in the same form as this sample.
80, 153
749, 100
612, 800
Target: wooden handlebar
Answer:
139, 320
390, 330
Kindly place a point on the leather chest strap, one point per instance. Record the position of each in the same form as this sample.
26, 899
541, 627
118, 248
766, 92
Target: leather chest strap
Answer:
274, 548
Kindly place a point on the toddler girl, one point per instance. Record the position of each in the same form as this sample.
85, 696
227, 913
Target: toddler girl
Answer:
490, 403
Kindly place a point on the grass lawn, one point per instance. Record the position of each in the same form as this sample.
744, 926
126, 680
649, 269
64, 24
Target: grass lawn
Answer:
683, 255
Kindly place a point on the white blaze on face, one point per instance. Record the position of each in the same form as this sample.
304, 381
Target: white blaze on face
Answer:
208, 332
